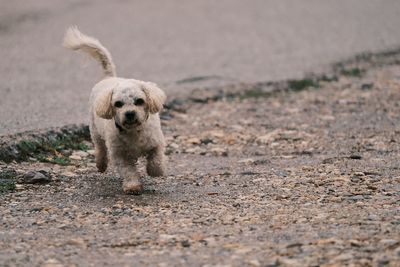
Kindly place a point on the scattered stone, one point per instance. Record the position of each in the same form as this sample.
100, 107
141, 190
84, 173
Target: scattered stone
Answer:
75, 157
219, 151
193, 150
246, 161
52, 263
80, 153
19, 187
185, 243
373, 217
355, 156
367, 86
68, 174
227, 220
289, 262
357, 197
76, 242
173, 145
91, 152
194, 141
36, 177
214, 134
207, 141
390, 243
356, 243
254, 263
165, 238
344, 257
267, 138
327, 117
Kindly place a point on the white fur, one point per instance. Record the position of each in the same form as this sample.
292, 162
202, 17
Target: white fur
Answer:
76, 40
116, 137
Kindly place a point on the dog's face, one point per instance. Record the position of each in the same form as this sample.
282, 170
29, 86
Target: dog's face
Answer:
130, 107
129, 103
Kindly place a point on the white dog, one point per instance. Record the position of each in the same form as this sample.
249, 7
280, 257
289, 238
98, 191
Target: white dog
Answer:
124, 120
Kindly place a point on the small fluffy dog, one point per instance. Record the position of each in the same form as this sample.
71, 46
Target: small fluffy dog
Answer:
124, 120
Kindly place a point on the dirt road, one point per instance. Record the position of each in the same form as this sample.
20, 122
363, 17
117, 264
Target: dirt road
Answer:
305, 177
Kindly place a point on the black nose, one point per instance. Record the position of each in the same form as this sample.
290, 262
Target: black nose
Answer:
130, 116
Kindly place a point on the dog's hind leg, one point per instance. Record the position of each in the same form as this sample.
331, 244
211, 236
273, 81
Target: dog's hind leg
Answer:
156, 162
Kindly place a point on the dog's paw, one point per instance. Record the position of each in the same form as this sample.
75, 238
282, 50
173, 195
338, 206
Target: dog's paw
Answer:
133, 187
155, 170
101, 167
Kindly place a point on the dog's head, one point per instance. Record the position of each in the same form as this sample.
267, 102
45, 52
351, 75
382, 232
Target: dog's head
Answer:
129, 103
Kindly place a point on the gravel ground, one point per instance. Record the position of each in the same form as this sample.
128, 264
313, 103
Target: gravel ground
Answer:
308, 178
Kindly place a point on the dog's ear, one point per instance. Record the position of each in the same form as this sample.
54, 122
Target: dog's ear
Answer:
103, 104
155, 96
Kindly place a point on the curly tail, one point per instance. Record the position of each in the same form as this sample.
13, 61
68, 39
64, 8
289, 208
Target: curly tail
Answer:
76, 40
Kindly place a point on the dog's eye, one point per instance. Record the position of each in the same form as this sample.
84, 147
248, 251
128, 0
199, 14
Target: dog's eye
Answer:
118, 104
139, 102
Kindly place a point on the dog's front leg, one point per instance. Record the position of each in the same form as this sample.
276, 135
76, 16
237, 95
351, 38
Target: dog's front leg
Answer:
131, 183
126, 168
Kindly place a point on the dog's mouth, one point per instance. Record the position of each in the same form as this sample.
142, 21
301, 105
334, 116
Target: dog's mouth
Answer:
126, 125
129, 124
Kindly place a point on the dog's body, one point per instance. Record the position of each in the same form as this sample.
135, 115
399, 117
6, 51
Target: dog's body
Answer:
124, 120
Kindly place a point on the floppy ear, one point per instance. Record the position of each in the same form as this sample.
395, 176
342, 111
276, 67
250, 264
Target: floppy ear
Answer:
155, 96
103, 105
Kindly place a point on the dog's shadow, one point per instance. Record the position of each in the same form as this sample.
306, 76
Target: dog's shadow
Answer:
108, 186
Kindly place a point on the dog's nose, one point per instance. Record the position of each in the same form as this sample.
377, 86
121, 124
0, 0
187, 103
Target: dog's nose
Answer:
130, 116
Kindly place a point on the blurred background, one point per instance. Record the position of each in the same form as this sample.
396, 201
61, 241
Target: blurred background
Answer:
178, 44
